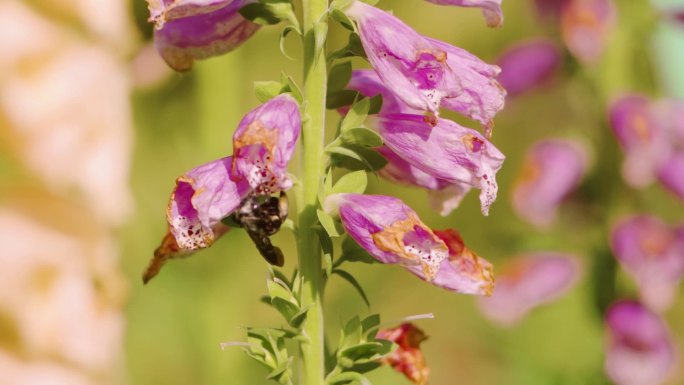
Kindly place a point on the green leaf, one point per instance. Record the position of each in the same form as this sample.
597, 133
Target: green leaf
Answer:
356, 115
339, 16
355, 157
375, 104
339, 76
329, 224
320, 31
286, 308
351, 333
327, 247
267, 90
370, 323
362, 351
341, 98
361, 136
348, 377
292, 87
283, 35
352, 252
354, 182
350, 278
299, 317
276, 290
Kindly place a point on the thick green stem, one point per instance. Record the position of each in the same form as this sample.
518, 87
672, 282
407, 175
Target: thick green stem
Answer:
315, 83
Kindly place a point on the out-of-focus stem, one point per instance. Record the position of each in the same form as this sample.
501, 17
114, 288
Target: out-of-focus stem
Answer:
315, 83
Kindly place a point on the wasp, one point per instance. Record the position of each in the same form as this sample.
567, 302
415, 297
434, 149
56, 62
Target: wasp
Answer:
262, 217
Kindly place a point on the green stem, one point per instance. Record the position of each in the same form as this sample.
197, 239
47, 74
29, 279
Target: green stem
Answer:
315, 83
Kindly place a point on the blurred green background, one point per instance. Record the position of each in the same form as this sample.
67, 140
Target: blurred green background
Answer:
175, 323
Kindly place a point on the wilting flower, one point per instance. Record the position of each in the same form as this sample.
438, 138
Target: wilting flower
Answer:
551, 170
202, 197
586, 27
408, 64
644, 142
640, 350
528, 64
392, 233
407, 358
186, 30
527, 282
443, 196
491, 9
264, 142
653, 253
444, 150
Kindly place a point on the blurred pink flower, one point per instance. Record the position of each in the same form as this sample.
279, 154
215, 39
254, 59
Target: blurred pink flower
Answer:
58, 290
17, 371
640, 350
491, 9
528, 64
412, 67
443, 196
587, 26
550, 9
264, 143
529, 281
187, 30
552, 169
653, 254
407, 358
392, 233
444, 150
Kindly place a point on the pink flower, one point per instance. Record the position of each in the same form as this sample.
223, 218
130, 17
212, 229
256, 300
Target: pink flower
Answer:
444, 150
407, 358
202, 197
491, 9
528, 64
368, 83
392, 233
264, 142
527, 282
186, 30
412, 67
653, 253
443, 196
551, 170
586, 26
640, 350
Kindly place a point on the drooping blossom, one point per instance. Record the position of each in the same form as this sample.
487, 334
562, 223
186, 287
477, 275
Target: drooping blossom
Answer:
392, 233
552, 169
264, 142
412, 67
407, 358
640, 349
587, 26
529, 281
187, 30
482, 96
202, 197
643, 141
653, 253
368, 83
491, 9
444, 150
443, 196
528, 64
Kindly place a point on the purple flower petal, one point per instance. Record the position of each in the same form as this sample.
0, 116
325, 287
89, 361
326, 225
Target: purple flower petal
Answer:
443, 196
550, 9
463, 271
527, 282
390, 231
551, 170
264, 142
651, 252
414, 69
202, 197
187, 30
528, 64
482, 97
671, 174
586, 26
444, 150
642, 138
491, 9
368, 83
640, 350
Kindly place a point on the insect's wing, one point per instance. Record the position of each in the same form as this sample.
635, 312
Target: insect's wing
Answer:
272, 254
